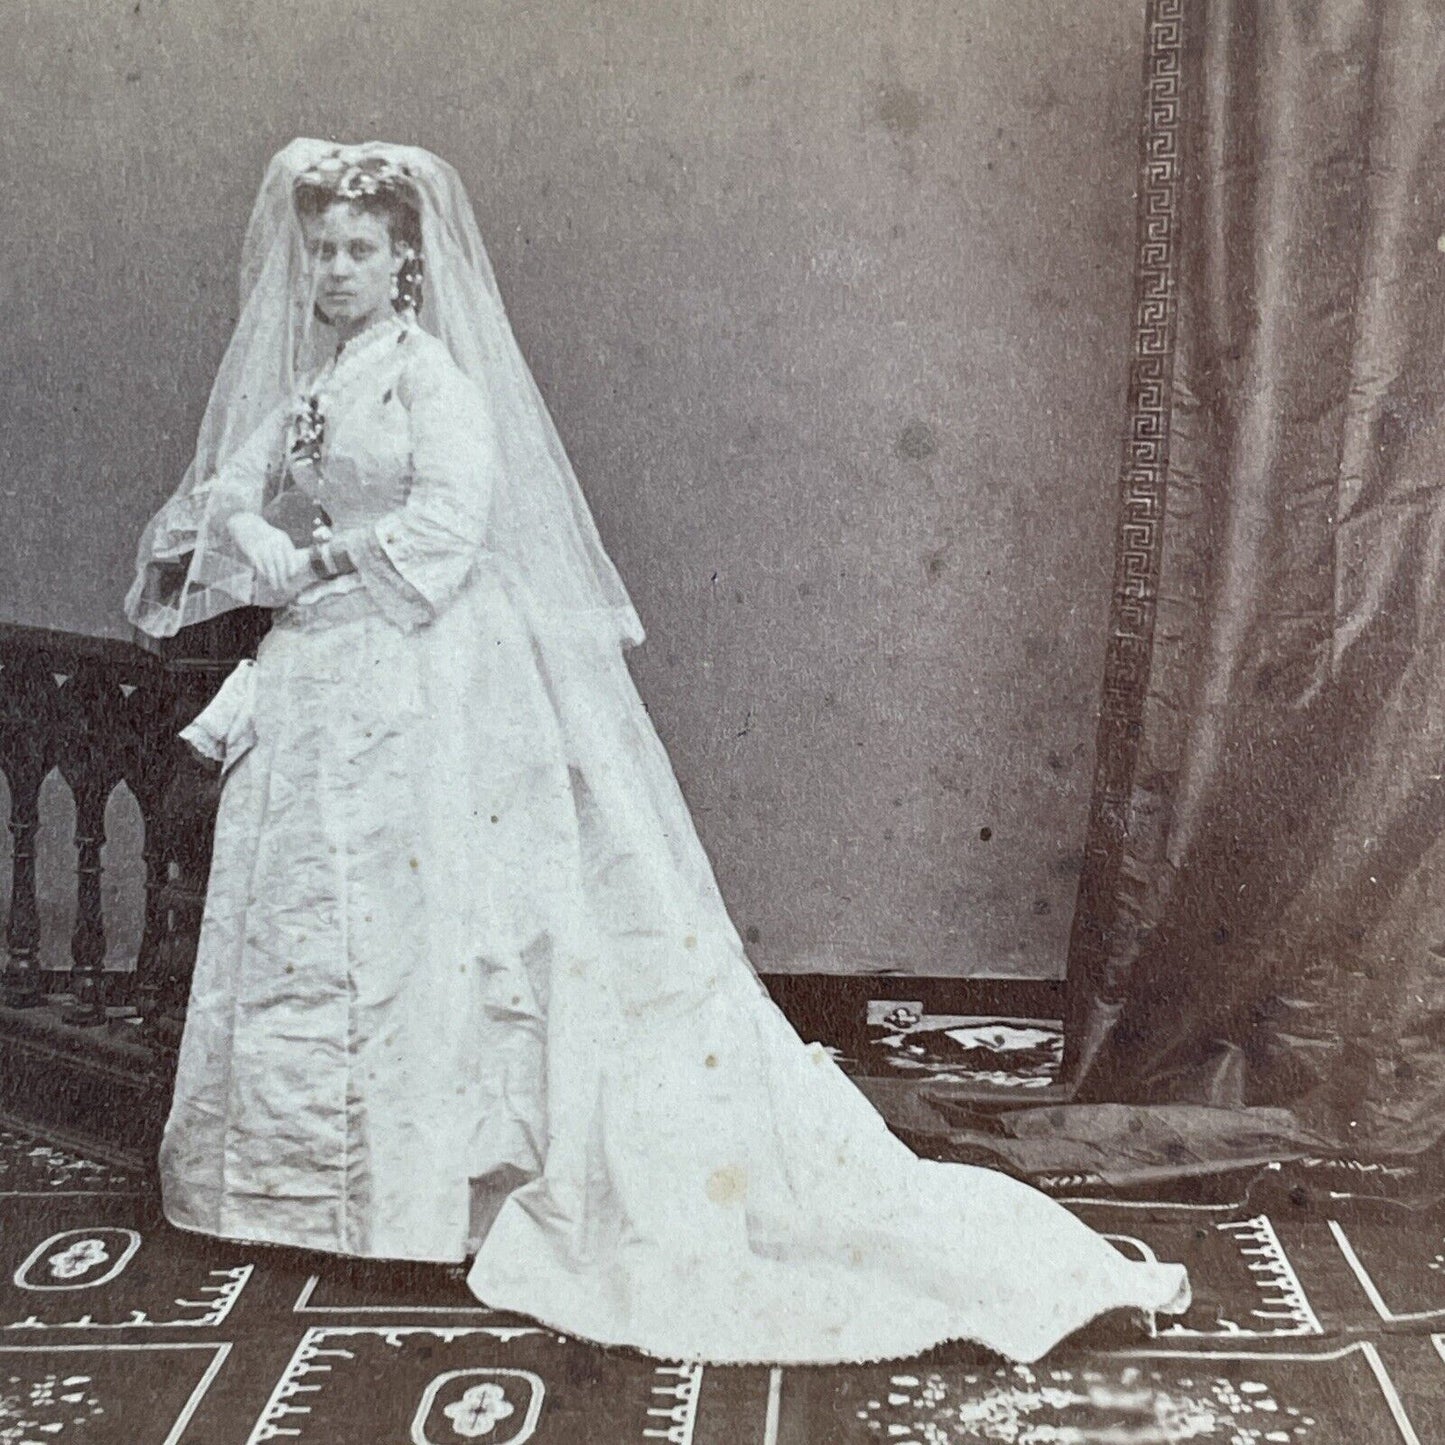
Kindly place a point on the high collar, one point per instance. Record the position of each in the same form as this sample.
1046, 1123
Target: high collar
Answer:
388, 321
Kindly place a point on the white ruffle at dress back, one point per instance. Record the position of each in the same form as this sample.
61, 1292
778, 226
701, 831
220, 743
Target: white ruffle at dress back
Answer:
466, 987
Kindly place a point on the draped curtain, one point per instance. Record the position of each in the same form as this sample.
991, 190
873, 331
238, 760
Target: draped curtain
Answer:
1262, 919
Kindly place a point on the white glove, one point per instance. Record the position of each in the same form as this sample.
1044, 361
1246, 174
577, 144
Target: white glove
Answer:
277, 559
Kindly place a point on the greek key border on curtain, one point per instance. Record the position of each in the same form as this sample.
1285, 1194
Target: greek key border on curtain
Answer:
1139, 533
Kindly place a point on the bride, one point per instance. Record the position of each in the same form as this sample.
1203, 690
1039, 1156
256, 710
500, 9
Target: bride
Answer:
466, 988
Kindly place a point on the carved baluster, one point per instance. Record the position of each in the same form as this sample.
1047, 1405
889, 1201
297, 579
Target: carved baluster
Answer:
22, 933
157, 870
27, 693
87, 941
150, 759
90, 762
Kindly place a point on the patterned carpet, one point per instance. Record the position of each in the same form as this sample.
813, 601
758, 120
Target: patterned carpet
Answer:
1320, 1320
903, 1040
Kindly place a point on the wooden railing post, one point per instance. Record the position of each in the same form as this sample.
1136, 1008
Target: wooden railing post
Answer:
91, 747
87, 940
155, 721
153, 928
22, 934
27, 708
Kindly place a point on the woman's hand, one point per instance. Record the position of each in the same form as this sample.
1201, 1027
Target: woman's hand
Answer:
278, 561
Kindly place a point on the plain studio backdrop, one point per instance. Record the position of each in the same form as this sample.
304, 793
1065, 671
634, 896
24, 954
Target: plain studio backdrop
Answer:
830, 302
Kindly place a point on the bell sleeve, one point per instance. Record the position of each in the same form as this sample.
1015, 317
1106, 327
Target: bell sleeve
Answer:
416, 558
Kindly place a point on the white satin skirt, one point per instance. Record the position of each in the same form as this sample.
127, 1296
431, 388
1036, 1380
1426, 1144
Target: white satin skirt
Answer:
466, 990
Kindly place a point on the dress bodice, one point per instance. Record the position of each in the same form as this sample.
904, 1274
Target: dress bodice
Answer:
397, 446
364, 466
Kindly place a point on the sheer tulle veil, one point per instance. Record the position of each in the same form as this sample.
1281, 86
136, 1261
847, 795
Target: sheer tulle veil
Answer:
540, 528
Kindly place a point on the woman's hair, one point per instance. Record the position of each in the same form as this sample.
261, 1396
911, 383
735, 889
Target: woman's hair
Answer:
400, 213
375, 187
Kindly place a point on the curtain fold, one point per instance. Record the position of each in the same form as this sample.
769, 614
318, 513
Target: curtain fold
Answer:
1264, 927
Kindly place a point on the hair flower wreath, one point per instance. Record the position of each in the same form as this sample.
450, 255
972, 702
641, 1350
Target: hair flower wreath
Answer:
359, 179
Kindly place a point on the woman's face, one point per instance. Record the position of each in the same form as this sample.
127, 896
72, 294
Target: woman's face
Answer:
353, 261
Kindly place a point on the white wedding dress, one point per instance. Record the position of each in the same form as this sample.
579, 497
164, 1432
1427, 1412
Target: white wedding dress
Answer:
466, 987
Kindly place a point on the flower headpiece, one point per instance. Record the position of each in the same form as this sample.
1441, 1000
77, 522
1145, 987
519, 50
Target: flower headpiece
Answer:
359, 177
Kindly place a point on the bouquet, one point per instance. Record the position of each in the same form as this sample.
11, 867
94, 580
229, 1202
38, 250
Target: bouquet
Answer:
292, 509
301, 517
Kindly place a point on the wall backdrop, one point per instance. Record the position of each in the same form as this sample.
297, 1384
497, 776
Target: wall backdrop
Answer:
830, 301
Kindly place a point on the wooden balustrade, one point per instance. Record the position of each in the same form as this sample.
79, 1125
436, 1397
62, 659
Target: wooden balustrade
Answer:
98, 713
